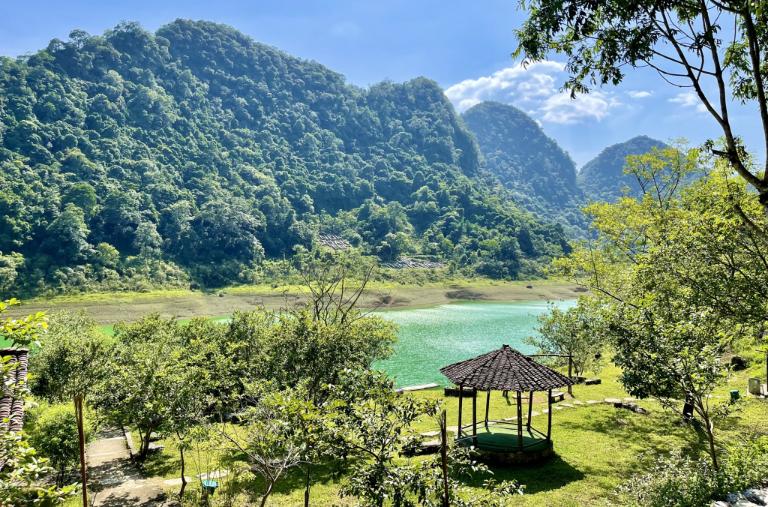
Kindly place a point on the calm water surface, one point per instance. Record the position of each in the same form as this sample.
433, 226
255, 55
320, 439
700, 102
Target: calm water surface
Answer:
431, 338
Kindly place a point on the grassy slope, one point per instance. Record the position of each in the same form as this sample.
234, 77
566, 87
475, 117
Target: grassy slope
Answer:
598, 446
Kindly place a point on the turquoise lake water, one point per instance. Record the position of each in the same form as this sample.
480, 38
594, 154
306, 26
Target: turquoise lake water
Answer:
430, 338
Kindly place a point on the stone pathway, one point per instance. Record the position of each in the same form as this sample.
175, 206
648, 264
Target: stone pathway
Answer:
115, 481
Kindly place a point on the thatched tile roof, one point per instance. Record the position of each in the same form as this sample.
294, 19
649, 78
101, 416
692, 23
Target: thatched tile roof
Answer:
11, 395
504, 370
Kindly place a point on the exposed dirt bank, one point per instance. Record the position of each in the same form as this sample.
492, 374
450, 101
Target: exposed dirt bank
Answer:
114, 308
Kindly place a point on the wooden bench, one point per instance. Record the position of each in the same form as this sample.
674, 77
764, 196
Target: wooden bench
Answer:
456, 392
557, 396
593, 381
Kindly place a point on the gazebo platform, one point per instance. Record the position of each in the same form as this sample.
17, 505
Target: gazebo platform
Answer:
499, 444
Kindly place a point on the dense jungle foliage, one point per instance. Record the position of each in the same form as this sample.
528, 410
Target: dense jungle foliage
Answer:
192, 155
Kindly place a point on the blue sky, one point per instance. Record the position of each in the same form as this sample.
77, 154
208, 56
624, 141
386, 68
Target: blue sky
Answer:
464, 46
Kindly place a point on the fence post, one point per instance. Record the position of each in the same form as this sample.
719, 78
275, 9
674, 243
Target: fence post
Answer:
81, 441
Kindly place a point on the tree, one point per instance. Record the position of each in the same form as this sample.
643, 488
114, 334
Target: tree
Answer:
54, 434
83, 196
271, 442
21, 471
376, 426
9, 270
716, 48
67, 236
69, 366
71, 359
22, 474
184, 413
148, 378
675, 277
576, 332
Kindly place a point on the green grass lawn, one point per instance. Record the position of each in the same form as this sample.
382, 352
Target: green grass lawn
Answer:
598, 447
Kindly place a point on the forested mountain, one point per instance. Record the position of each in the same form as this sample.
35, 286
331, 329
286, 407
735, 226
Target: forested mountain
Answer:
540, 175
195, 153
603, 178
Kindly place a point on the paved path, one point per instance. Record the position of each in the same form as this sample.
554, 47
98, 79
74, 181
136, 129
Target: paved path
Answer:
113, 478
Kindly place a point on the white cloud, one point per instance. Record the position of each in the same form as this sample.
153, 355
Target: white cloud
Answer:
534, 88
689, 99
639, 94
561, 108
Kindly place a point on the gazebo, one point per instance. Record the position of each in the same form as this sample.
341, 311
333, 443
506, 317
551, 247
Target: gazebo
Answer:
506, 370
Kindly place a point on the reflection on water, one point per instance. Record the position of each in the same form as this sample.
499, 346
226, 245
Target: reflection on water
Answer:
430, 338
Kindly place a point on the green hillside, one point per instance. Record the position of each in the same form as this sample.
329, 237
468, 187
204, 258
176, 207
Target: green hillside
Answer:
540, 175
603, 178
193, 154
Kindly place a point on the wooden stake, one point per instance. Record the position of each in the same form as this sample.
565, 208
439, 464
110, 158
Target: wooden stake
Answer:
444, 459
81, 441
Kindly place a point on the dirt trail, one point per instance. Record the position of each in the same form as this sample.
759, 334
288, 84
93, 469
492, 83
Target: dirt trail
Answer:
115, 480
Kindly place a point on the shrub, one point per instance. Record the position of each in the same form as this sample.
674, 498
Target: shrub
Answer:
746, 466
675, 481
682, 481
53, 433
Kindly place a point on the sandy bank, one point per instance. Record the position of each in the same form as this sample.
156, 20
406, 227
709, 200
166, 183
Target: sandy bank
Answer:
113, 308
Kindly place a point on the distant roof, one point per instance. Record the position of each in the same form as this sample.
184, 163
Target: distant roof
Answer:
11, 395
504, 370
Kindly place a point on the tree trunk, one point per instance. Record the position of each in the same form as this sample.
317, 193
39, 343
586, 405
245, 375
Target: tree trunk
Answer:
183, 478
144, 451
711, 440
266, 494
81, 442
307, 484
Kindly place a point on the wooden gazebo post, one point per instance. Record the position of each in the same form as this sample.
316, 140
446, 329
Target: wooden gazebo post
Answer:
519, 420
549, 414
530, 410
487, 405
461, 397
474, 417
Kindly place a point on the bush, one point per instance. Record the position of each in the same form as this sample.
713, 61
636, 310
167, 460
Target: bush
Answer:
53, 433
746, 466
675, 481
682, 481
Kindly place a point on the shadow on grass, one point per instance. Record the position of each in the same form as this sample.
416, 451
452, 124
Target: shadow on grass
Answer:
552, 474
160, 464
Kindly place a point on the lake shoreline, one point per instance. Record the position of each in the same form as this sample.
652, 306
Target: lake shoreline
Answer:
111, 308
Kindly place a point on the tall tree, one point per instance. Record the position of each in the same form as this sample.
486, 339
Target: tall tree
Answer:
679, 277
715, 48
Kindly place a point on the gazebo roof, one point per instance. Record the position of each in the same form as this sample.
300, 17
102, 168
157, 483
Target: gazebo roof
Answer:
504, 369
